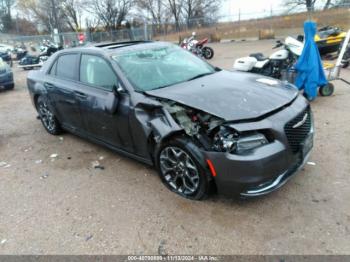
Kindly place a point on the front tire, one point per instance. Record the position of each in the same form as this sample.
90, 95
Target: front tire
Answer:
47, 118
181, 170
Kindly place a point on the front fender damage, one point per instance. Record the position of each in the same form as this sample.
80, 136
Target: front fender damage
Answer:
156, 122
164, 118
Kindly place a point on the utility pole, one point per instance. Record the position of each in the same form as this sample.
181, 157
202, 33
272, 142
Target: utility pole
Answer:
239, 22
56, 20
17, 28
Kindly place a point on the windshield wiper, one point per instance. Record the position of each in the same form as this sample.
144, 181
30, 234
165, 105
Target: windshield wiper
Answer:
200, 75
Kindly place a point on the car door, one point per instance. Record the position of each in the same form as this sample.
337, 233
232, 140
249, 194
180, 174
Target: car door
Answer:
98, 83
61, 84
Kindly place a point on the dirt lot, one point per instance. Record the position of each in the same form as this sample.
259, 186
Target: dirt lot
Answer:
64, 206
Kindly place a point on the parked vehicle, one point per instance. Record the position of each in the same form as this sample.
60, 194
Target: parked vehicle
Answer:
21, 53
198, 47
200, 126
279, 65
274, 65
30, 62
46, 50
328, 39
6, 76
6, 57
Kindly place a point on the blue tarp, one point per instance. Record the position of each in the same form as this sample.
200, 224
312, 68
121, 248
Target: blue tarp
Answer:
310, 73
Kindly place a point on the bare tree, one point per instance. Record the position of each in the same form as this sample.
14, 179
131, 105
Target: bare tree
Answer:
338, 3
156, 9
5, 14
308, 4
199, 10
48, 14
175, 7
327, 4
110, 13
71, 10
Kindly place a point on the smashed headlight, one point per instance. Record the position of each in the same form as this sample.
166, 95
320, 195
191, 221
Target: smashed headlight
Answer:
228, 140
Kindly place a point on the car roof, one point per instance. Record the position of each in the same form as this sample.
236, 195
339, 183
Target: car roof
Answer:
116, 47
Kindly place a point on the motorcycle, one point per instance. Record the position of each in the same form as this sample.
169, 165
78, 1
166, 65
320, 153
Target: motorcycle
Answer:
6, 57
20, 53
276, 64
279, 65
46, 50
197, 47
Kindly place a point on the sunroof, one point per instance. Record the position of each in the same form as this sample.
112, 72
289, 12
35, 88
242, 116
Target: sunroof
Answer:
120, 44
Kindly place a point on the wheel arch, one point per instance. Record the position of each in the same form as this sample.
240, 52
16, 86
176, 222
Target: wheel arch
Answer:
190, 145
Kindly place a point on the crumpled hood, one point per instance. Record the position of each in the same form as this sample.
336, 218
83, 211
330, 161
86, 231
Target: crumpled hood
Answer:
230, 95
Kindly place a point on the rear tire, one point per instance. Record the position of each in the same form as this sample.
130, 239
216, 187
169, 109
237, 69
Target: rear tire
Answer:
47, 118
181, 169
326, 90
208, 52
10, 87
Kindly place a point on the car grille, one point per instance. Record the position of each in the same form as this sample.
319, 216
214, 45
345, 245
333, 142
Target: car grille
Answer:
298, 129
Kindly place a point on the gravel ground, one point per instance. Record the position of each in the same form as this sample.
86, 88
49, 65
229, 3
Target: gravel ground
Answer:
63, 205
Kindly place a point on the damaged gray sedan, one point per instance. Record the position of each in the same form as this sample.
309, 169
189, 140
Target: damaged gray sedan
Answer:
203, 128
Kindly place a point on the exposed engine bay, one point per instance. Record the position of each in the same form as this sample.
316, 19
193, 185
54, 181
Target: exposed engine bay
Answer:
211, 131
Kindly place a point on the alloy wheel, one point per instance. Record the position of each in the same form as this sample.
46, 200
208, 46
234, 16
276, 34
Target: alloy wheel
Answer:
179, 170
46, 116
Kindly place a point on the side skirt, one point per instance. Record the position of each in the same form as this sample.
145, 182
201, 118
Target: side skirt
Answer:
109, 146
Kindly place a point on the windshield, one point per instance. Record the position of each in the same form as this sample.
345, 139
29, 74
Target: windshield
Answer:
161, 66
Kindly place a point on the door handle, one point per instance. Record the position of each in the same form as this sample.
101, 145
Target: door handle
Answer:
49, 85
80, 94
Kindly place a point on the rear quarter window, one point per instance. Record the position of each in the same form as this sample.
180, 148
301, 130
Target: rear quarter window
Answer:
53, 69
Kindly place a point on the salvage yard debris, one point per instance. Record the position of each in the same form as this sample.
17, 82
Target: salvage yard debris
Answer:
97, 165
4, 165
44, 176
311, 163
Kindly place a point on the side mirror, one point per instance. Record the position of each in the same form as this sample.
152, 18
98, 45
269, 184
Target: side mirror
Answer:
113, 98
118, 89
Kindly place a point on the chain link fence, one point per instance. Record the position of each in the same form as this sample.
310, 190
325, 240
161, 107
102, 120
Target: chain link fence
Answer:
73, 39
270, 23
241, 25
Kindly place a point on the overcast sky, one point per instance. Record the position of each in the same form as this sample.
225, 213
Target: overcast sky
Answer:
231, 7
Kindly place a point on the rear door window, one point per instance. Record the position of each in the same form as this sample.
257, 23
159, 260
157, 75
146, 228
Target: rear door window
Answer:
67, 66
